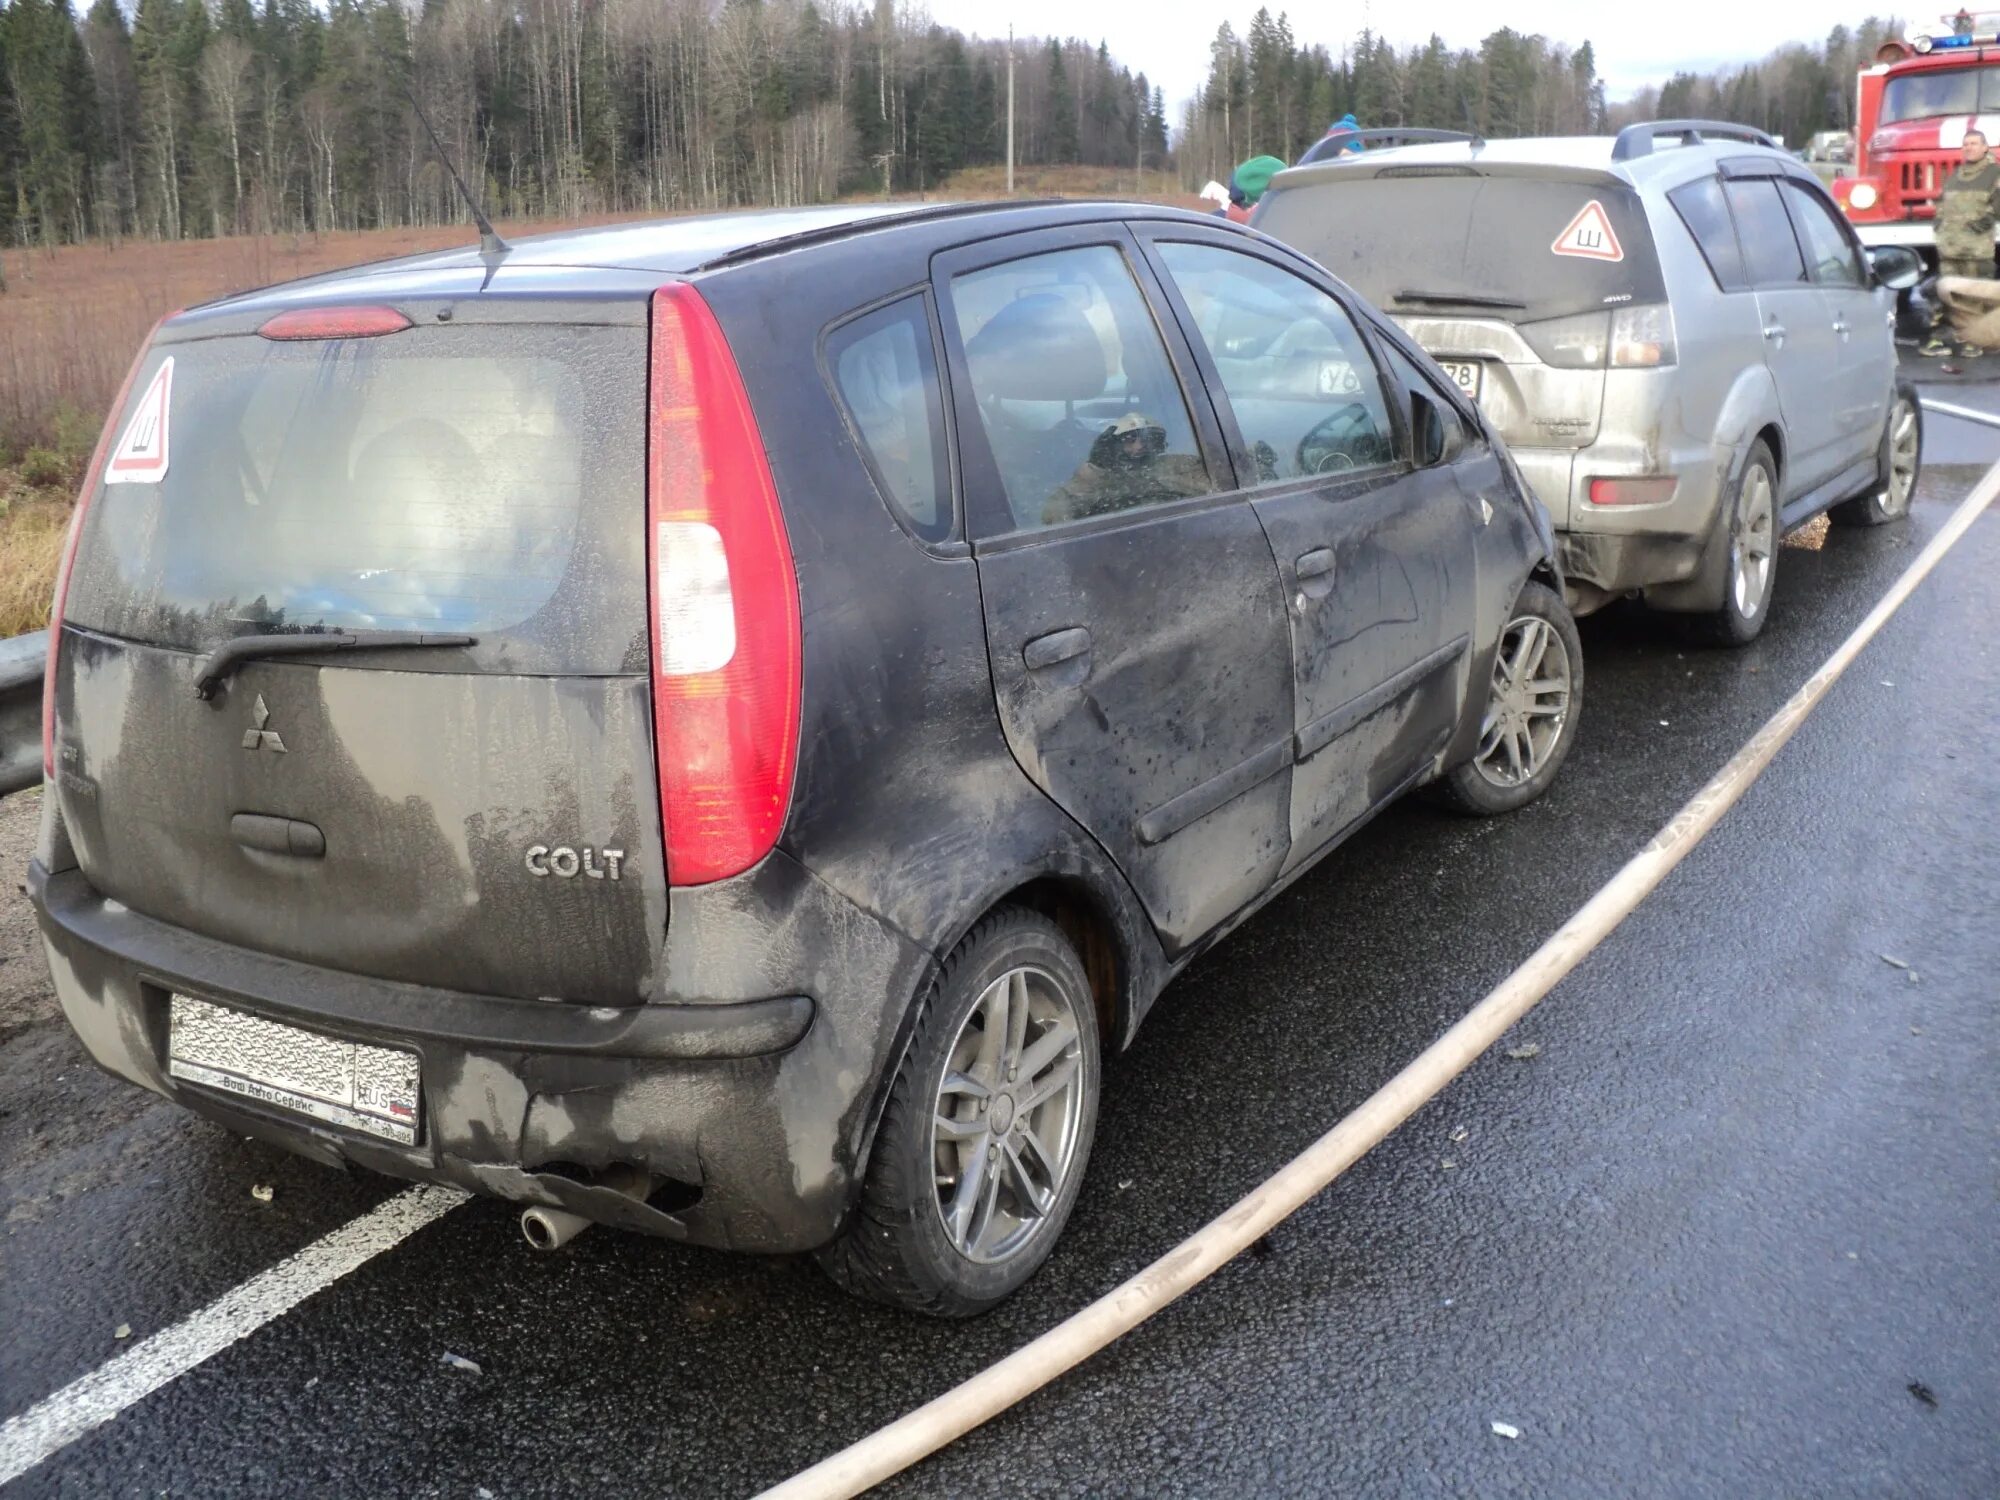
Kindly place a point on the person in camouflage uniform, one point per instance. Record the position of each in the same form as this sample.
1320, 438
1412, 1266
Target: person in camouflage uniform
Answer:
1128, 465
1966, 213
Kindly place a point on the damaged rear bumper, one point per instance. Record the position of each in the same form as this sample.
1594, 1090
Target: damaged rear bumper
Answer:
521, 1099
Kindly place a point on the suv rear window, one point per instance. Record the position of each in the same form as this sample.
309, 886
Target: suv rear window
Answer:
1448, 232
478, 479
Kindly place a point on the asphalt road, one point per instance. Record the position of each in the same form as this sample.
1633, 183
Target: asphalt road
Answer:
1730, 1231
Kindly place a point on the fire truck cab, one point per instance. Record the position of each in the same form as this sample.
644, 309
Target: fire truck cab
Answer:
1914, 107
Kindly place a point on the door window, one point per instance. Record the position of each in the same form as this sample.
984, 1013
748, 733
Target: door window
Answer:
1076, 394
1770, 249
1706, 213
1833, 257
885, 369
1296, 370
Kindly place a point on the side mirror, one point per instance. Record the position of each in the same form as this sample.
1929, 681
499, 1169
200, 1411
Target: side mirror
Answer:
1435, 431
1897, 267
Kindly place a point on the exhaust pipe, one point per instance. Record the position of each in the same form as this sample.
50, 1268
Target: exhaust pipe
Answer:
551, 1228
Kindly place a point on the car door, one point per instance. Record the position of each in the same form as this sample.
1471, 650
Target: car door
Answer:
1867, 369
1135, 621
1375, 552
1801, 348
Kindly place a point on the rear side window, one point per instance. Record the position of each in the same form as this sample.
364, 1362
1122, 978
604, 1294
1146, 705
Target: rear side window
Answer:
1833, 259
884, 366
1412, 241
475, 479
1771, 251
1304, 391
1078, 399
1706, 213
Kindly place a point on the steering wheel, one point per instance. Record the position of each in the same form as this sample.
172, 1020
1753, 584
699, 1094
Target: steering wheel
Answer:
1339, 440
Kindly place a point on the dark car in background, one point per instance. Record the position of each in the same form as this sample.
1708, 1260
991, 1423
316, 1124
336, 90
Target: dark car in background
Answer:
716, 727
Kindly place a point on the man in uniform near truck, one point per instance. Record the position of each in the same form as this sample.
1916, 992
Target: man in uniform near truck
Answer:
1966, 213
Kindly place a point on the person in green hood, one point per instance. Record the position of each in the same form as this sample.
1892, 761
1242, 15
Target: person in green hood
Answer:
1247, 184
1966, 213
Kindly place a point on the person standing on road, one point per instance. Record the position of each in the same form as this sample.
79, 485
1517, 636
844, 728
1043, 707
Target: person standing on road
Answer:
1966, 212
1247, 184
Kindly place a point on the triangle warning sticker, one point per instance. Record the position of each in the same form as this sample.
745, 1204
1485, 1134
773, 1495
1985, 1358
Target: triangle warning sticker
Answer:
1589, 235
141, 454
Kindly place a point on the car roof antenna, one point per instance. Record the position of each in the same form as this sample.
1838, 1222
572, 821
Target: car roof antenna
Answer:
491, 246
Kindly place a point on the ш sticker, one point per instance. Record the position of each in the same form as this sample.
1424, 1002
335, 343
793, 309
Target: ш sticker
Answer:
1589, 235
141, 454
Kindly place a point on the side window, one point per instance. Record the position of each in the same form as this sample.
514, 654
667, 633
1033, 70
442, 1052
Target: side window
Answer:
1770, 250
1834, 260
884, 367
1706, 213
1075, 391
1296, 370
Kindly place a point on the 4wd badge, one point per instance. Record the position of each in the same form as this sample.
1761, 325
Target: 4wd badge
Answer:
257, 737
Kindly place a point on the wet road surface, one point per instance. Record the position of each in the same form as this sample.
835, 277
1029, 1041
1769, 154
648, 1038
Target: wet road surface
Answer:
1706, 1240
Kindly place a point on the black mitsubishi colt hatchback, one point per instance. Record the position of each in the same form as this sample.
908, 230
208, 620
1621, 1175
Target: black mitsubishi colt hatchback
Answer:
716, 727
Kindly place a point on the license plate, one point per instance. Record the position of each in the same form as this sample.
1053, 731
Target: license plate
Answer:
1464, 374
370, 1089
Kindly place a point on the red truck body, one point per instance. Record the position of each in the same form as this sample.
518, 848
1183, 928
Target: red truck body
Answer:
1915, 104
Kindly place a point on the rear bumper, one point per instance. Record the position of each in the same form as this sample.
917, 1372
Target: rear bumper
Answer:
1611, 550
734, 1108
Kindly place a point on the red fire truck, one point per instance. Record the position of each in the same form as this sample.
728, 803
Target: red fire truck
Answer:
1915, 105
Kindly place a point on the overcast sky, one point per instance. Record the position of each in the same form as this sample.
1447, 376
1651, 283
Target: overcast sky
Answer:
1638, 41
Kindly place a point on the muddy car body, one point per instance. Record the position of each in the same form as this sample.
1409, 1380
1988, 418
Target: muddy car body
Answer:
610, 689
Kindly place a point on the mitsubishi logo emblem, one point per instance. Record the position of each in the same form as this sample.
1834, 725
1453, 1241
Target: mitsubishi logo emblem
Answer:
257, 737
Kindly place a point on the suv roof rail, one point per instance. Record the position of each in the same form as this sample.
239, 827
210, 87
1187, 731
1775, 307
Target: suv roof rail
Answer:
1401, 135
1637, 140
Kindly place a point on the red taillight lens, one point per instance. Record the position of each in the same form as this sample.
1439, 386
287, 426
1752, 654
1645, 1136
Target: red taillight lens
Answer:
90, 477
725, 604
335, 323
1646, 491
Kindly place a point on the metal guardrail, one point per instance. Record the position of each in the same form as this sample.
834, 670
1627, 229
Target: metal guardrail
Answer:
21, 659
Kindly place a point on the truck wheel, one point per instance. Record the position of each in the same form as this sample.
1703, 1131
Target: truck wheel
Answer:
1750, 538
983, 1143
1897, 466
1530, 716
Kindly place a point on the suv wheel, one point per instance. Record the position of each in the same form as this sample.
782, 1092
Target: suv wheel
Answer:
1897, 464
1530, 717
1751, 560
982, 1146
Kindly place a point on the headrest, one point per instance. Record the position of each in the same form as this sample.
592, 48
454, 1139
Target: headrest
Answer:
1038, 348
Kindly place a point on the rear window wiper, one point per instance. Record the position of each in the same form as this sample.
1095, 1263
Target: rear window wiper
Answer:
1465, 299
225, 658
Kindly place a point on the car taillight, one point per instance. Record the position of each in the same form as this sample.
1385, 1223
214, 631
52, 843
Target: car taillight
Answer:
1648, 490
1573, 343
68, 559
1642, 336
726, 642
334, 323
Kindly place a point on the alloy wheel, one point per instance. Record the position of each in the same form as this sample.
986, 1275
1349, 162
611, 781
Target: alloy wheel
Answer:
1008, 1115
1752, 540
1903, 442
1528, 709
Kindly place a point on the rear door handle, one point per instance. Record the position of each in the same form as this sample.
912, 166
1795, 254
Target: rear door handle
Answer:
1314, 564
1056, 647
1840, 327
1775, 332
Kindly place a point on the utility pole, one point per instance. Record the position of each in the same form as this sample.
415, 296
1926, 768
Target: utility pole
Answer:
1010, 111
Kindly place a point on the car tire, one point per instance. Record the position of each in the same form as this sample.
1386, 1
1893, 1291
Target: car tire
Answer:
1529, 717
1749, 539
1898, 463
951, 1222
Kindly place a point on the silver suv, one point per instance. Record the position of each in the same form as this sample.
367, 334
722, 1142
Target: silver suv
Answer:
1676, 332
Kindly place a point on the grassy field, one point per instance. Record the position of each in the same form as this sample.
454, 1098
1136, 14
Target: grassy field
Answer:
72, 318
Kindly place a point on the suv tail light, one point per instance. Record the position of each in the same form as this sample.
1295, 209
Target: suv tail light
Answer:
68, 559
1638, 336
725, 604
1642, 336
1573, 343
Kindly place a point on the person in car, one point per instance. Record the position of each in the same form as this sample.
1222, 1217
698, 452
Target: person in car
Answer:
1966, 213
1128, 465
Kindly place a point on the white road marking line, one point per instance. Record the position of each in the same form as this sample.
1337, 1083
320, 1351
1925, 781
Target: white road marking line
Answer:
1964, 413
979, 1398
59, 1420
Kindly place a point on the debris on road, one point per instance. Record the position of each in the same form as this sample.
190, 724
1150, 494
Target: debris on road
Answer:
1460, 1134
263, 1192
123, 1331
1894, 962
460, 1362
1923, 1393
1525, 1051
1506, 1430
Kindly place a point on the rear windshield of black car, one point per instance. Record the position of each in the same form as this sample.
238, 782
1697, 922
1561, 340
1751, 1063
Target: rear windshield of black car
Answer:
1410, 240
485, 480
